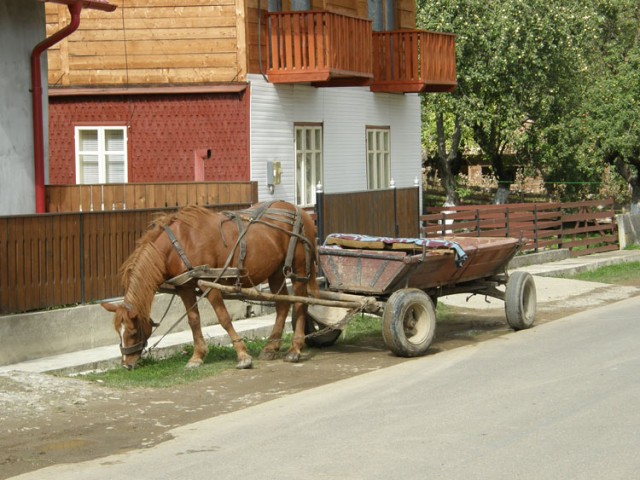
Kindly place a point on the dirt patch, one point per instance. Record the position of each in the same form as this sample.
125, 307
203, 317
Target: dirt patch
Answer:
49, 420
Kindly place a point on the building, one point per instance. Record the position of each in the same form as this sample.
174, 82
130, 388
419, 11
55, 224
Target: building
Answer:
286, 93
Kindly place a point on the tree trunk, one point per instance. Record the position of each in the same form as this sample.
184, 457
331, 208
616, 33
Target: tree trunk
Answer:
448, 162
490, 144
631, 173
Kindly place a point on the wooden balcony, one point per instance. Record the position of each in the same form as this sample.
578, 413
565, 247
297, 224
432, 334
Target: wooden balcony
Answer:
322, 48
413, 61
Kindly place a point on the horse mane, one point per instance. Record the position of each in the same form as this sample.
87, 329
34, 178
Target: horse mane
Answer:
145, 269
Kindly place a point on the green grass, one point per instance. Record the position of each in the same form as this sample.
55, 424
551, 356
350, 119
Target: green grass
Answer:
361, 329
170, 371
617, 274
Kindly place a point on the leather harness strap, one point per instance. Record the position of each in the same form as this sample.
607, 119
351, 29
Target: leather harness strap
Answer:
177, 247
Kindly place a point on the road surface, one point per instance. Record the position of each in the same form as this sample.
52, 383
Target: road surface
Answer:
558, 401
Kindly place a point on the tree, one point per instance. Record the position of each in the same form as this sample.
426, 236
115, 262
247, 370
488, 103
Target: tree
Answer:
517, 65
612, 112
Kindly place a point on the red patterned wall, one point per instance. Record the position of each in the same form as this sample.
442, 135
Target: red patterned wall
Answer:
164, 130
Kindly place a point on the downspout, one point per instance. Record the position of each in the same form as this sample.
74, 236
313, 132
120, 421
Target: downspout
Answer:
36, 96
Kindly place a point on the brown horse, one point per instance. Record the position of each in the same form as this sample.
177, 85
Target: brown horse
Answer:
269, 242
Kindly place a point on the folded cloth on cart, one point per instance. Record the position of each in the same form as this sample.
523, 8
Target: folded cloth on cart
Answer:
351, 240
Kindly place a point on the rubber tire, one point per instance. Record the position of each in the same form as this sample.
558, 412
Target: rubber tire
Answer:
520, 302
318, 341
408, 305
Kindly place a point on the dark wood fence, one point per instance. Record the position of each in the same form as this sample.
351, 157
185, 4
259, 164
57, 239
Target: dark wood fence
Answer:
390, 213
582, 227
62, 259
138, 196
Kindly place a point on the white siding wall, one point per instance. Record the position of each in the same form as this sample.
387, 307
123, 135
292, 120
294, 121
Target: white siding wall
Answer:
344, 113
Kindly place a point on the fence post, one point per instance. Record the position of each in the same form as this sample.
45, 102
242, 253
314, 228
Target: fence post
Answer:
395, 210
478, 226
320, 213
82, 252
507, 221
535, 227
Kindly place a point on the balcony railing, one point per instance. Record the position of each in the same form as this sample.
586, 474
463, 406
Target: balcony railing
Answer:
414, 61
322, 48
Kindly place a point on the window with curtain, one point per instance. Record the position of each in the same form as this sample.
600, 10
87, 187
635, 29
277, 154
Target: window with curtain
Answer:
383, 14
378, 158
101, 155
308, 147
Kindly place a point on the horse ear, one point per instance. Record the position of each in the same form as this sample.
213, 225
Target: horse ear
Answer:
109, 307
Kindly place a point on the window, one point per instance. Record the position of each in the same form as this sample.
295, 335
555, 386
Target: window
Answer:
382, 13
378, 158
101, 155
308, 139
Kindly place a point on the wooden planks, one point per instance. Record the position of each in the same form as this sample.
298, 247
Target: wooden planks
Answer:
582, 227
131, 196
155, 42
62, 259
389, 213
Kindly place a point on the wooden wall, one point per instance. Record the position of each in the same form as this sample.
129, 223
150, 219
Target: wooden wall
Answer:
150, 42
145, 42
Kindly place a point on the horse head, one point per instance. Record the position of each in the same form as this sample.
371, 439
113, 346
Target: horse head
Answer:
133, 329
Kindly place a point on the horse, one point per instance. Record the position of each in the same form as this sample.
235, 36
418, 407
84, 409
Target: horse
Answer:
270, 242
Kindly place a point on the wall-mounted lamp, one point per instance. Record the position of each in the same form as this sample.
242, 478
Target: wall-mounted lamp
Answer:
274, 175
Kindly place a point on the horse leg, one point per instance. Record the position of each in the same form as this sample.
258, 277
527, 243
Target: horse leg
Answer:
224, 319
276, 285
299, 313
188, 297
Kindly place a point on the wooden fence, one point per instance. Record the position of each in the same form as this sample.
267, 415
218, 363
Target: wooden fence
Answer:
58, 259
390, 213
138, 196
582, 227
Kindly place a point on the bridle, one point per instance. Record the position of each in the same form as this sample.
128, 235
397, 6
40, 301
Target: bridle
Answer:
141, 344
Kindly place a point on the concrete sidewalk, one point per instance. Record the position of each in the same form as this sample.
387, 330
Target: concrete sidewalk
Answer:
549, 289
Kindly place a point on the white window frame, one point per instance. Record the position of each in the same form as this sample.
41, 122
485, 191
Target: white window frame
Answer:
305, 185
378, 157
101, 153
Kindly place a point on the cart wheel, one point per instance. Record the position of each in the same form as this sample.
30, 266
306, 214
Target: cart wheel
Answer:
408, 322
311, 326
520, 300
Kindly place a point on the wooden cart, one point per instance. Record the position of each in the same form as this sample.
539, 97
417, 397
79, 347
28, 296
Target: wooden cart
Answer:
401, 280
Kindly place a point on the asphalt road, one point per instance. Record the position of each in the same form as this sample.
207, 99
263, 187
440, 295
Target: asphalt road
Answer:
558, 401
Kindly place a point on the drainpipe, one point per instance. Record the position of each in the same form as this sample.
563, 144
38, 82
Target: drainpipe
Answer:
36, 96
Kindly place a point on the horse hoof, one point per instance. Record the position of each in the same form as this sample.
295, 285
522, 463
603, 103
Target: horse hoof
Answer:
292, 357
244, 363
193, 364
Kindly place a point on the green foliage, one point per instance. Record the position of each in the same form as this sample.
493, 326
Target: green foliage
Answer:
550, 86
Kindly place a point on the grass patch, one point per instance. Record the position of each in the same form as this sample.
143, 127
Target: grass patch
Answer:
361, 329
159, 373
616, 274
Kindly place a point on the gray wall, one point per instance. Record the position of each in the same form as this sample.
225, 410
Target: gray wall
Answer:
22, 26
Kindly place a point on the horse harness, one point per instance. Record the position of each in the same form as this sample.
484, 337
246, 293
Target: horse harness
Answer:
266, 215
